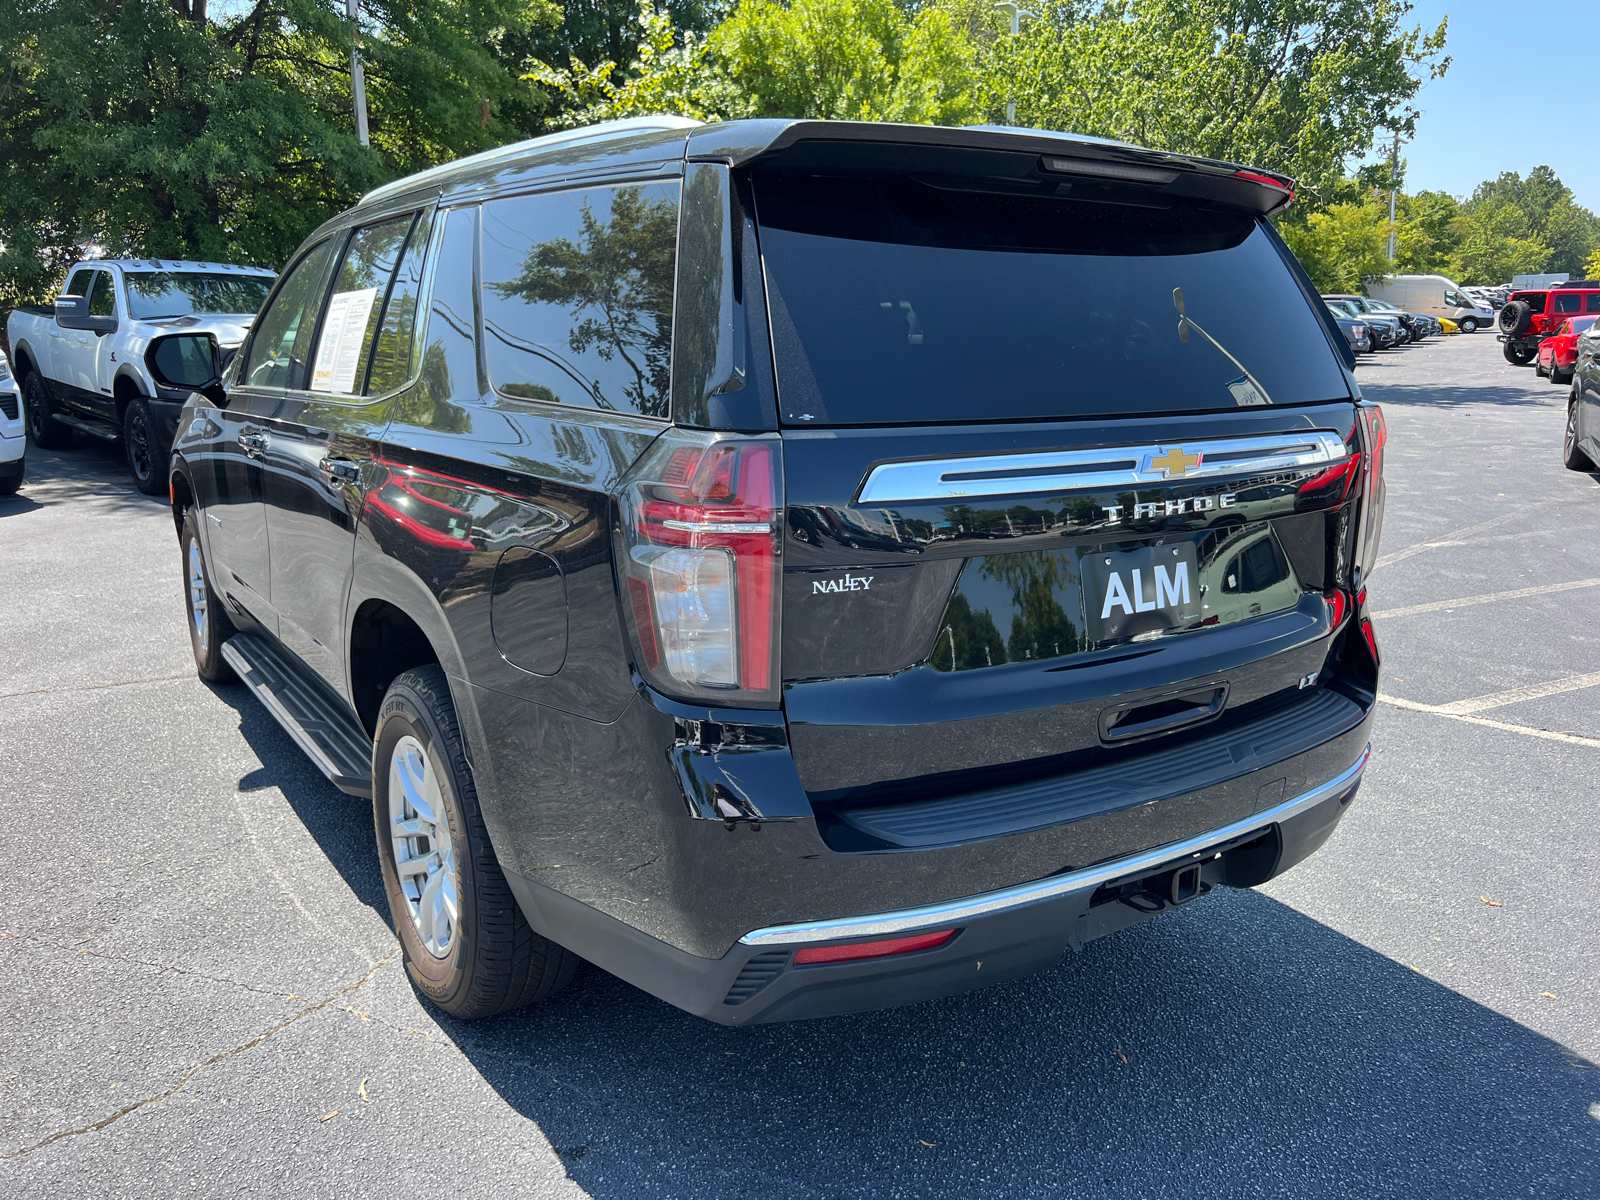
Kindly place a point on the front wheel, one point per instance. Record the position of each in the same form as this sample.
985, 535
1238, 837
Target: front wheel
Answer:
1469, 326
467, 946
1538, 366
1574, 458
209, 623
44, 431
139, 442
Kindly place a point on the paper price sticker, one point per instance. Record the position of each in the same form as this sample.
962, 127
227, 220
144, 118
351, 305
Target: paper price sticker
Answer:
343, 331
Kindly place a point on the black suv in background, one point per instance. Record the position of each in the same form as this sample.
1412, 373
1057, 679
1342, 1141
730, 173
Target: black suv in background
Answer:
797, 566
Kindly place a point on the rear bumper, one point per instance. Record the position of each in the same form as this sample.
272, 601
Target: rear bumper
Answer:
1000, 934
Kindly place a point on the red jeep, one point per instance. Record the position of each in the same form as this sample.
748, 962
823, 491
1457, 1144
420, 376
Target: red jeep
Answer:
1530, 317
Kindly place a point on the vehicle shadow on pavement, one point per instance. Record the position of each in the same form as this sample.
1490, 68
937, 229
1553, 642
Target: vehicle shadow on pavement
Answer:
94, 473
1237, 1046
1459, 397
342, 825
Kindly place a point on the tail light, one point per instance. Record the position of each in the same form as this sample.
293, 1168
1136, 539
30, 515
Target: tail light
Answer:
699, 559
1373, 493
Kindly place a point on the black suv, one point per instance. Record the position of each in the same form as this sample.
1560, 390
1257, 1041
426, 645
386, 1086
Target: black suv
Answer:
797, 566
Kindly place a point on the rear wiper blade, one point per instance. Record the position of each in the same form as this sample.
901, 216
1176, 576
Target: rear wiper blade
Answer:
1247, 390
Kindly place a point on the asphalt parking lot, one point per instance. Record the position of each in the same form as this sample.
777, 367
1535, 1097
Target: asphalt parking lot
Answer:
202, 995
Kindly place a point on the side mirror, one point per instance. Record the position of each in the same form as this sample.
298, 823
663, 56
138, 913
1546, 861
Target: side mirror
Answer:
72, 312
187, 362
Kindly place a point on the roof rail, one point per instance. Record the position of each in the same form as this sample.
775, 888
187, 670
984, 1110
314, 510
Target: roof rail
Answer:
550, 141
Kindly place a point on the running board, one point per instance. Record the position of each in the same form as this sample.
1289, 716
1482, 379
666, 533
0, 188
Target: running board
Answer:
93, 428
330, 735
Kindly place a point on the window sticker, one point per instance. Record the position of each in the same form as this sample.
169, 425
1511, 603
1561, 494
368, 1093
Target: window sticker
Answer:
342, 334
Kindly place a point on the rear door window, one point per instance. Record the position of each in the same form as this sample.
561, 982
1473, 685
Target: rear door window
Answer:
80, 283
577, 296
1592, 302
897, 302
356, 306
1568, 302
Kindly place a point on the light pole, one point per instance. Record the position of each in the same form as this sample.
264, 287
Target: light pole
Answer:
358, 81
1016, 12
1394, 186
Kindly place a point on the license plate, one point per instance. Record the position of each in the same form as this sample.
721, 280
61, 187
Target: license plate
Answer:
1128, 592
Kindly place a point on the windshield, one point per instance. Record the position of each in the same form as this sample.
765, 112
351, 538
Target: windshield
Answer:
153, 294
894, 302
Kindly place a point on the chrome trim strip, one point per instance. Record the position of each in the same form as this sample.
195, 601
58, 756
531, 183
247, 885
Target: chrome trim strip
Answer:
1101, 469
957, 912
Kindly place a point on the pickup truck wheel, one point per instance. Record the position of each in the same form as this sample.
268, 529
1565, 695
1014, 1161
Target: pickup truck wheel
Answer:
1574, 458
209, 624
44, 431
467, 946
139, 443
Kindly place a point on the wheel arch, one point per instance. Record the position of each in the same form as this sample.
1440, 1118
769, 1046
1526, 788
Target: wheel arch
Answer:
26, 361
180, 491
127, 386
395, 623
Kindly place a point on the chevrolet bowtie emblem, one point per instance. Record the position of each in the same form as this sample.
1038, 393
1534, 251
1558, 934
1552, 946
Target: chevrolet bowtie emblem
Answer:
1174, 462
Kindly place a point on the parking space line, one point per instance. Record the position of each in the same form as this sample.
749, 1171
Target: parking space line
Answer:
1458, 538
1487, 598
1572, 739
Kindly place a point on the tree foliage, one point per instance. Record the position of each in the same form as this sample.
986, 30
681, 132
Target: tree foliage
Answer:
147, 127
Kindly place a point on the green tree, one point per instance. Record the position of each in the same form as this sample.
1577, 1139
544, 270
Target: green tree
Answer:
1568, 231
1427, 233
149, 128
1343, 246
1495, 242
833, 59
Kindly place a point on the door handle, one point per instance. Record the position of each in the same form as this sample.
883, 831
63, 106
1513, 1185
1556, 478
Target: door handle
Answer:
253, 443
341, 470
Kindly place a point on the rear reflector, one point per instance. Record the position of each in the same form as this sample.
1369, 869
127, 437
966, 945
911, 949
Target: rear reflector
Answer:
905, 945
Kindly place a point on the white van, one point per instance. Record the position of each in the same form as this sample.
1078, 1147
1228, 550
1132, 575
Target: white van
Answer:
1436, 295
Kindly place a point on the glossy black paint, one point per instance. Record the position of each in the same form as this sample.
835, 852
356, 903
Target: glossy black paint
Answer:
650, 834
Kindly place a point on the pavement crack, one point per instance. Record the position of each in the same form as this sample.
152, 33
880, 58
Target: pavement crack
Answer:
159, 968
95, 687
183, 1081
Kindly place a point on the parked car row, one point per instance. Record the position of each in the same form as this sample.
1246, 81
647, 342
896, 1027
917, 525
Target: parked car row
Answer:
1370, 324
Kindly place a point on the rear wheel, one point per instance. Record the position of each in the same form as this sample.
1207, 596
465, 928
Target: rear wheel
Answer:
44, 431
467, 946
1469, 325
209, 624
1519, 355
1574, 458
139, 442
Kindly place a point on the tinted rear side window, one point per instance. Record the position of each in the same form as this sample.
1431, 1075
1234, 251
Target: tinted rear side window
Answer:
1568, 302
895, 302
577, 296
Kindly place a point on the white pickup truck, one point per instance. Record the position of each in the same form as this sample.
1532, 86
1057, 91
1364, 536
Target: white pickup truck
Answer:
123, 347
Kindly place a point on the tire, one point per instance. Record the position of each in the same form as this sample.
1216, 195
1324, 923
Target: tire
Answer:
1557, 376
44, 431
10, 483
140, 445
1515, 318
1519, 355
1574, 458
1469, 325
483, 958
209, 625
1538, 365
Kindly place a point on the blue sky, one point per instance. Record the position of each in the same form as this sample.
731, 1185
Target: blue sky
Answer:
1472, 126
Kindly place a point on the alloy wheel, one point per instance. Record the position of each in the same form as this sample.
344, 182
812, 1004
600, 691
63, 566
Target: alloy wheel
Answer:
199, 608
138, 435
1571, 437
424, 852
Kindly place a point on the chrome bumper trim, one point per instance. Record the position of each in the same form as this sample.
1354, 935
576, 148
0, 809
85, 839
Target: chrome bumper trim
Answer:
956, 912
1100, 469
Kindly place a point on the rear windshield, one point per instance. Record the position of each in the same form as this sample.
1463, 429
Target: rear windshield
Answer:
153, 294
897, 302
